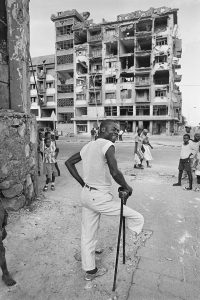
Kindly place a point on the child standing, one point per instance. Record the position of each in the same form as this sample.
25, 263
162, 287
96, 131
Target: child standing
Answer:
184, 163
50, 154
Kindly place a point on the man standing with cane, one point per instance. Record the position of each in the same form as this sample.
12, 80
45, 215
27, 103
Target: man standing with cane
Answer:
99, 164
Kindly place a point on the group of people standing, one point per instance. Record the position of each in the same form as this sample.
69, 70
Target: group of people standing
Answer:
142, 149
189, 161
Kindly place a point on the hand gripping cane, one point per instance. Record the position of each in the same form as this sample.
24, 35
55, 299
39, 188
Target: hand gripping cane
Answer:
123, 195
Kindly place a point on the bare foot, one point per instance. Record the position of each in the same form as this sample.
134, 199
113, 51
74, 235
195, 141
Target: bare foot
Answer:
8, 280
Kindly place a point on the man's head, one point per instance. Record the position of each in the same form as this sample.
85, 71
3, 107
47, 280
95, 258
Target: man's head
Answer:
197, 137
186, 139
145, 131
109, 130
187, 128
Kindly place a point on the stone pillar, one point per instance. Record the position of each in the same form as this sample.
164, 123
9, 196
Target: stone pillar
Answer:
134, 126
151, 127
140, 124
18, 48
168, 127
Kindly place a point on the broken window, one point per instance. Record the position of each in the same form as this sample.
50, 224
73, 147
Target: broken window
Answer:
144, 44
126, 110
142, 110
95, 81
65, 117
161, 41
142, 80
67, 29
33, 99
160, 24
95, 35
127, 77
127, 62
111, 65
64, 45
110, 32
160, 110
81, 81
65, 59
126, 47
81, 67
126, 94
81, 96
94, 97
65, 102
80, 37
161, 93
95, 51
81, 111
127, 31
33, 86
49, 85
144, 26
110, 95
142, 95
161, 77
111, 48
143, 61
161, 59
97, 67
110, 110
111, 79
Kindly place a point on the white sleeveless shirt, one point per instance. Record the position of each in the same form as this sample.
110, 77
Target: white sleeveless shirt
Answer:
95, 168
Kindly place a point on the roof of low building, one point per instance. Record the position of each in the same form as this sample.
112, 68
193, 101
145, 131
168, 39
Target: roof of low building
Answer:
45, 59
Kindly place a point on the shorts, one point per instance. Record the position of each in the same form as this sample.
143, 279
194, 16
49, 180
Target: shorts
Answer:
49, 169
184, 164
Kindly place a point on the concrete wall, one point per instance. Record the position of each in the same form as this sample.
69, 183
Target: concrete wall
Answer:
18, 51
18, 159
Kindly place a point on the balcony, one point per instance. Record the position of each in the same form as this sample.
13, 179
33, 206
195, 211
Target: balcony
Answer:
96, 54
41, 75
94, 102
63, 67
95, 38
142, 82
41, 90
65, 88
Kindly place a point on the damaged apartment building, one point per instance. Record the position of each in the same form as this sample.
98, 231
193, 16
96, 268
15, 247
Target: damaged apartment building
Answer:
125, 70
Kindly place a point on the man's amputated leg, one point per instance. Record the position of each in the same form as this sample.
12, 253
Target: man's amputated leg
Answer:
189, 173
179, 178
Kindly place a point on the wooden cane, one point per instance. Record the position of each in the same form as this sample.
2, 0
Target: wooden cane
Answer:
118, 245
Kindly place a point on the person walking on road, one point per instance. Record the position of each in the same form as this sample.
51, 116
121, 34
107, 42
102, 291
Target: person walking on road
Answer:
138, 154
146, 148
96, 194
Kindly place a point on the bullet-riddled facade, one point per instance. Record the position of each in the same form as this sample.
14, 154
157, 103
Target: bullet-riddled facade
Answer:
125, 70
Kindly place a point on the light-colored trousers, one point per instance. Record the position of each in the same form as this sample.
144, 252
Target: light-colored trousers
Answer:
95, 203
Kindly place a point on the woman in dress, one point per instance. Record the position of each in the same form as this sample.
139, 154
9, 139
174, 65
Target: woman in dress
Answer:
138, 154
146, 148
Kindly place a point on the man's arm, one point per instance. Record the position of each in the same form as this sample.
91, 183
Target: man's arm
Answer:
70, 164
114, 171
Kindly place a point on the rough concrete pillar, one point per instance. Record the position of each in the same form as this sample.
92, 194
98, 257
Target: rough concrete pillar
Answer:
18, 48
168, 127
151, 109
134, 126
140, 124
151, 127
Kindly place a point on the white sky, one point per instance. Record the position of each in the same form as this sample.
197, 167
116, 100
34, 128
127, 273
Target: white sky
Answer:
43, 35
